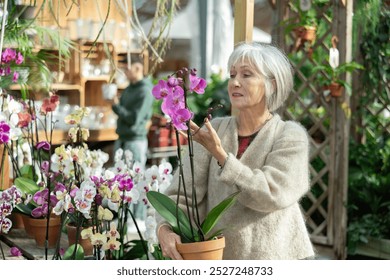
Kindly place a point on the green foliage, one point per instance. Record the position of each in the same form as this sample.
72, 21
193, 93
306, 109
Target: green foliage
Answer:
28, 187
215, 94
369, 171
133, 250
175, 216
74, 254
333, 75
368, 194
168, 209
25, 35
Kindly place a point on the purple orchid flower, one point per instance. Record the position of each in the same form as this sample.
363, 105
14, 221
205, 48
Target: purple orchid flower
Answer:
73, 192
15, 77
45, 166
40, 197
197, 84
19, 58
161, 90
15, 252
40, 211
43, 145
8, 55
180, 118
4, 132
173, 102
126, 184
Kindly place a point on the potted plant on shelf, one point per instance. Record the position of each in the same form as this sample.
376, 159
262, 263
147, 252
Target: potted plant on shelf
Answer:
186, 222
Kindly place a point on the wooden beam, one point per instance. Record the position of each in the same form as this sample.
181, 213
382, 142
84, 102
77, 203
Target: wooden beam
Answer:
243, 24
243, 20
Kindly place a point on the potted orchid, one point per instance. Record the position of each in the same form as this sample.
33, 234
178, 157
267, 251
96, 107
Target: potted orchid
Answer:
184, 222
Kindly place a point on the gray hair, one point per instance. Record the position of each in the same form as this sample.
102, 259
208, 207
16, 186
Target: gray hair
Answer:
272, 64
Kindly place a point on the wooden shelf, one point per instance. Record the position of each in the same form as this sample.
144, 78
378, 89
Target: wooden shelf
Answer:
104, 78
104, 134
53, 86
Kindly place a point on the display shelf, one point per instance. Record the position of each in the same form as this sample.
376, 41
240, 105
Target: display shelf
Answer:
60, 136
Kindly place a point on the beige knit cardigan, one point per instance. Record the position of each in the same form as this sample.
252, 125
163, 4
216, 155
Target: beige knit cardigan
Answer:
272, 175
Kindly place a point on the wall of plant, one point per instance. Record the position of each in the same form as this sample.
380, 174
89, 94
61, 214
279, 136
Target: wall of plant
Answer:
369, 160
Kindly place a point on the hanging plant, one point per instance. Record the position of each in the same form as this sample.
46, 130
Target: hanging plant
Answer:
331, 78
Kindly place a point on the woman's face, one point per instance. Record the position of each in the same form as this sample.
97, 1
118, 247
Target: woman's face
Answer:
246, 87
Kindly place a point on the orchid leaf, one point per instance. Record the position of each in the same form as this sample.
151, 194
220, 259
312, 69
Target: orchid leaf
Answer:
216, 213
70, 253
167, 208
215, 234
25, 208
27, 172
26, 185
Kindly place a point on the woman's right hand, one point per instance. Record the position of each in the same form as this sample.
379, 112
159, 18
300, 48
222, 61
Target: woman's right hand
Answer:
168, 240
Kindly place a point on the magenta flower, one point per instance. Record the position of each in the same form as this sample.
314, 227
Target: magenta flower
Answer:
180, 118
45, 166
173, 82
125, 184
15, 77
8, 55
161, 90
173, 93
19, 58
40, 197
4, 132
15, 252
39, 211
173, 101
197, 84
43, 145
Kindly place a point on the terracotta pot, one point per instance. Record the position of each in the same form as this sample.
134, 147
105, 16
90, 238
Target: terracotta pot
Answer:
27, 226
206, 250
17, 220
38, 227
336, 90
85, 243
307, 33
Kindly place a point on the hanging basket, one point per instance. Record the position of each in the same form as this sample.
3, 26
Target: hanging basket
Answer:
206, 250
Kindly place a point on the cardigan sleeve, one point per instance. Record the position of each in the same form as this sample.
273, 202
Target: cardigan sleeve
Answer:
281, 181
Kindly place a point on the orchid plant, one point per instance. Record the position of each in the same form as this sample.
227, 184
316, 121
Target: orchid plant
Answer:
121, 185
71, 181
173, 92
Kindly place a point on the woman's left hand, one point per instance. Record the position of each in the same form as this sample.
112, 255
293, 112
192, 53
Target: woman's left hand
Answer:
208, 138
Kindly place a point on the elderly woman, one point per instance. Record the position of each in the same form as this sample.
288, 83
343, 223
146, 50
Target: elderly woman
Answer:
257, 153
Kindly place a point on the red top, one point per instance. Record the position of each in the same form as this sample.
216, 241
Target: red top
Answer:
243, 143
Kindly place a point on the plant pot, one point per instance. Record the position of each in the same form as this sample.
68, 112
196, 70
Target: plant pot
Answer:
206, 250
306, 33
336, 90
17, 220
38, 227
27, 227
85, 243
